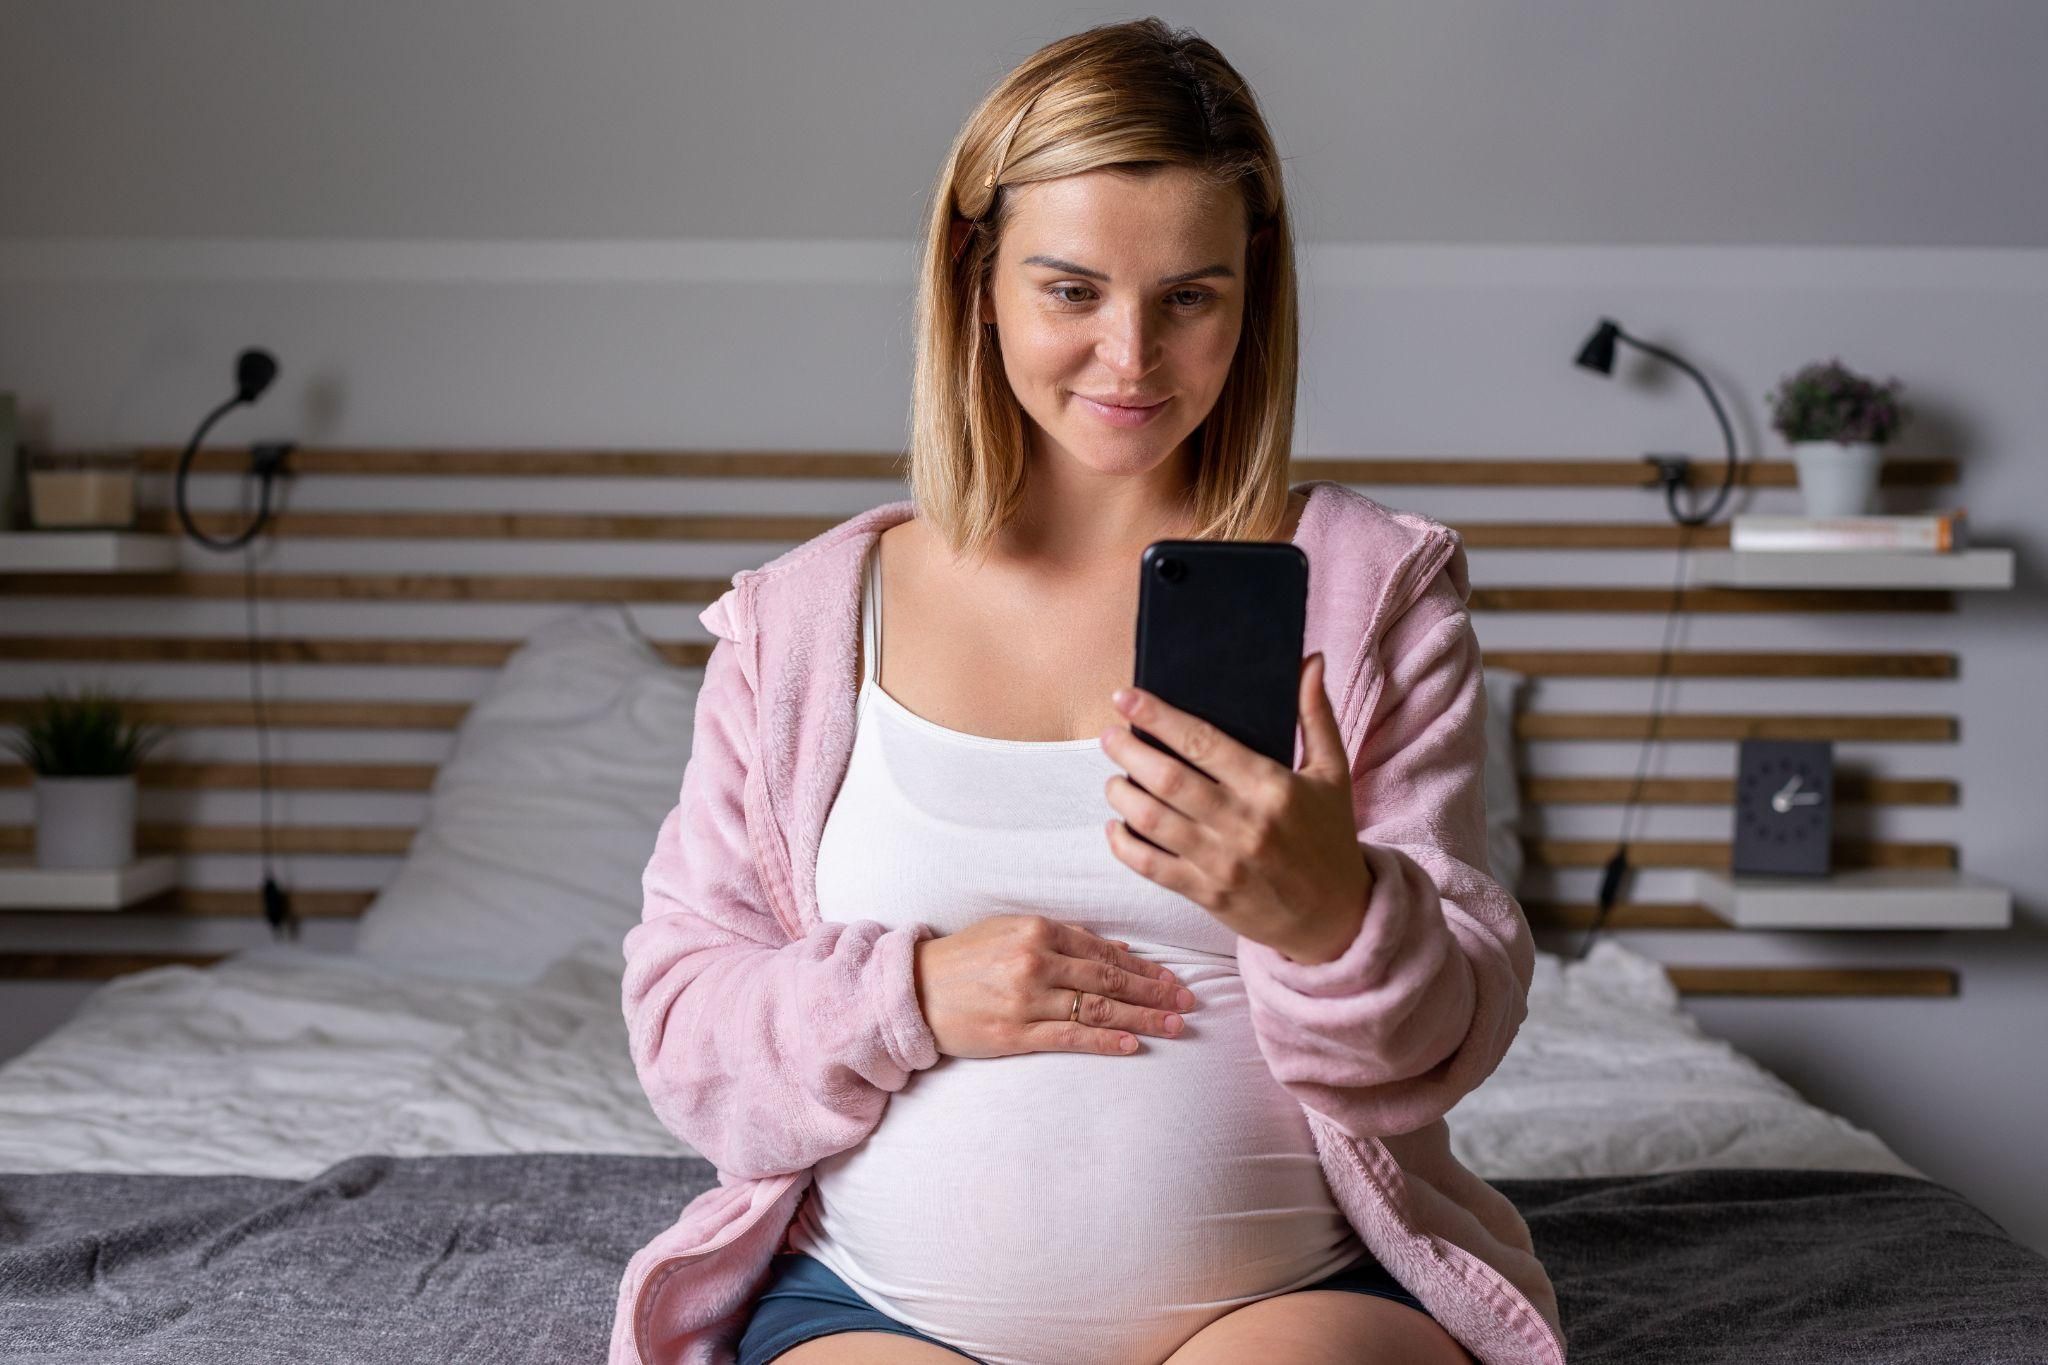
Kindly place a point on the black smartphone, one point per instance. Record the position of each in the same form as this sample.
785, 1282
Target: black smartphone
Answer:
1220, 626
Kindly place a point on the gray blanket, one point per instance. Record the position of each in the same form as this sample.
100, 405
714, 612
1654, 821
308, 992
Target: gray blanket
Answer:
508, 1259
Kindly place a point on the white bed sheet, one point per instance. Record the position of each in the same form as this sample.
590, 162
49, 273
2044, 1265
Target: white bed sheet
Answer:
281, 1060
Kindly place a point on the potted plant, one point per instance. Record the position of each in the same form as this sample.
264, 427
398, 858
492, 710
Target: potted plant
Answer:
1836, 422
84, 756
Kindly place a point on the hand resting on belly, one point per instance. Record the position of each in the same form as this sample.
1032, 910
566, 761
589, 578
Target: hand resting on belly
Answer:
1005, 985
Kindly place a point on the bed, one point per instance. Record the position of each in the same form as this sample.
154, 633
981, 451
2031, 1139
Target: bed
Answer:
433, 1147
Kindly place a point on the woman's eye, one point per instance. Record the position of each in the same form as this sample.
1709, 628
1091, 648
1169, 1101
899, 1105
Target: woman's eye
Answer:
1191, 299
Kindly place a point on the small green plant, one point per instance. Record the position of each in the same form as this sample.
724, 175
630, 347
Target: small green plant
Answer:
1832, 403
83, 735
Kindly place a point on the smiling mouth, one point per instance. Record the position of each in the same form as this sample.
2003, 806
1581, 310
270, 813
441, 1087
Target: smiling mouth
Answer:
1126, 407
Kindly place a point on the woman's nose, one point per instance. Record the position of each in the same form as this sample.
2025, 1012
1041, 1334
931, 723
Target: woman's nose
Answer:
1131, 342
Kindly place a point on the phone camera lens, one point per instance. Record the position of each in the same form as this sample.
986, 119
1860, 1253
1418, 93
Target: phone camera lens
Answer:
1172, 570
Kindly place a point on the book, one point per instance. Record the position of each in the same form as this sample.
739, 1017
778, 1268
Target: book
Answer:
1932, 532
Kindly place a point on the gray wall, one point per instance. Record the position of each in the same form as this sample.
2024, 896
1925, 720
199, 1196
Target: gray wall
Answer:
629, 225
1820, 122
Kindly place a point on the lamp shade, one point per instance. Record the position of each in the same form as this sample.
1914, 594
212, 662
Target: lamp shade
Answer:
1598, 352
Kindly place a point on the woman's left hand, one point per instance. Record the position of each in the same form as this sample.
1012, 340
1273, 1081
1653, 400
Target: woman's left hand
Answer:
1270, 851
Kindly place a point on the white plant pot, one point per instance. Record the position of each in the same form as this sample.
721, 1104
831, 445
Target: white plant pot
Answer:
85, 822
1837, 478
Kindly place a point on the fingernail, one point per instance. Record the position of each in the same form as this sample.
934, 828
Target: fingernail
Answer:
1184, 998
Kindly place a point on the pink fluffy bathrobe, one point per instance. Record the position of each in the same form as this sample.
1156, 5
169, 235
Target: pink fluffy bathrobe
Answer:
769, 1039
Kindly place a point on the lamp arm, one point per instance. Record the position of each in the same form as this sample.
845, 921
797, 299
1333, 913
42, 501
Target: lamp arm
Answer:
1727, 432
184, 467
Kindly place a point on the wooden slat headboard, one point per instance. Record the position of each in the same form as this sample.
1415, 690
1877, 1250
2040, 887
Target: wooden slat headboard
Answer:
364, 580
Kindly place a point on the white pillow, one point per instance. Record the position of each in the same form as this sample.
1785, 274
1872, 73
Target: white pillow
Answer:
542, 820
1503, 687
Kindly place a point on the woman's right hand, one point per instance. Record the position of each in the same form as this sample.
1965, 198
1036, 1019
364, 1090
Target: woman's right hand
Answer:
1005, 985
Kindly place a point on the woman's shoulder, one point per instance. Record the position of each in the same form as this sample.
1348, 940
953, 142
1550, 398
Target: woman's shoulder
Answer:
802, 579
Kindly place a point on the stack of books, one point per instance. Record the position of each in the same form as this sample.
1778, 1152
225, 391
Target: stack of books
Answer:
1930, 532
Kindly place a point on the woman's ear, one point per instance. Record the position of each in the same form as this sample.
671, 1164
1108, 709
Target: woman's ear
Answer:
960, 228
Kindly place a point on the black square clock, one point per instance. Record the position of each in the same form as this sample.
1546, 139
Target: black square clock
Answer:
1784, 807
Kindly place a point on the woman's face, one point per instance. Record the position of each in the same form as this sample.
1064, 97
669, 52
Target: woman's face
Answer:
1123, 289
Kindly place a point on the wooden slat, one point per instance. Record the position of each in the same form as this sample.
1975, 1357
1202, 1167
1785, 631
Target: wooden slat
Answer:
605, 526
781, 532
330, 840
357, 650
461, 653
1622, 915
1719, 856
189, 903
1594, 725
303, 777
196, 649
1434, 470
791, 529
1778, 981
282, 715
1813, 981
1560, 535
1559, 725
366, 587
1718, 663
1712, 601
1850, 790
547, 462
386, 840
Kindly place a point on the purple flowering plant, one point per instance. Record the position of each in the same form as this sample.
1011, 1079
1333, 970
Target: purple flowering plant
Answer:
1832, 403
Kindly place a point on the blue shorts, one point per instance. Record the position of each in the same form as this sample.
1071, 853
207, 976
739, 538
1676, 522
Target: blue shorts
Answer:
804, 1300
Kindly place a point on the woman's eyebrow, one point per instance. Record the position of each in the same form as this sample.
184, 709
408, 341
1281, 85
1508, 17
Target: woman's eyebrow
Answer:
1057, 264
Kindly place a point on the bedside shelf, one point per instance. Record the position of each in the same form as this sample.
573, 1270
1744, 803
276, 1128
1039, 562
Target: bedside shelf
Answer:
1860, 898
87, 552
1981, 568
24, 886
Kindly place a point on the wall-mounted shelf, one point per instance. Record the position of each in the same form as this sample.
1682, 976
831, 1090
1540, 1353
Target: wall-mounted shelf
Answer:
1981, 568
87, 552
1858, 898
24, 886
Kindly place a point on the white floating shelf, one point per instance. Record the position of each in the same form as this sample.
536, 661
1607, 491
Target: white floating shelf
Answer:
1981, 568
24, 886
1858, 898
87, 552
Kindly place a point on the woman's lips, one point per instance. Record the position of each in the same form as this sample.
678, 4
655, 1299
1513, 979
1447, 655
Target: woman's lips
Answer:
1123, 417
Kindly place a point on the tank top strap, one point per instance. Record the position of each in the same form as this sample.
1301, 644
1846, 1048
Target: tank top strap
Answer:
871, 612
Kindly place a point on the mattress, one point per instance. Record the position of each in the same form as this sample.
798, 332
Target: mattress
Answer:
281, 1060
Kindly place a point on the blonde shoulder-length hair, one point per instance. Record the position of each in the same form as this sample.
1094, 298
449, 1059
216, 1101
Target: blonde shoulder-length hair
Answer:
1138, 97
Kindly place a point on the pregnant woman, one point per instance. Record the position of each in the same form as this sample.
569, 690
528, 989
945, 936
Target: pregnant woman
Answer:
984, 1075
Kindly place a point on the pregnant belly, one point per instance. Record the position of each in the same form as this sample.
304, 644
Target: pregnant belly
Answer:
1075, 1207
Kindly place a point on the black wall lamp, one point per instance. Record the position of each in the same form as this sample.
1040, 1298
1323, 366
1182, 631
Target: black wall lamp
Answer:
1598, 355
254, 369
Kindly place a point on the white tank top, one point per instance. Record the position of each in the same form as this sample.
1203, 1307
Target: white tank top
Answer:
1090, 1209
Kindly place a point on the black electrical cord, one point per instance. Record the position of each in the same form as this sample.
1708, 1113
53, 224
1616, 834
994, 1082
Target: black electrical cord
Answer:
1672, 470
254, 369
